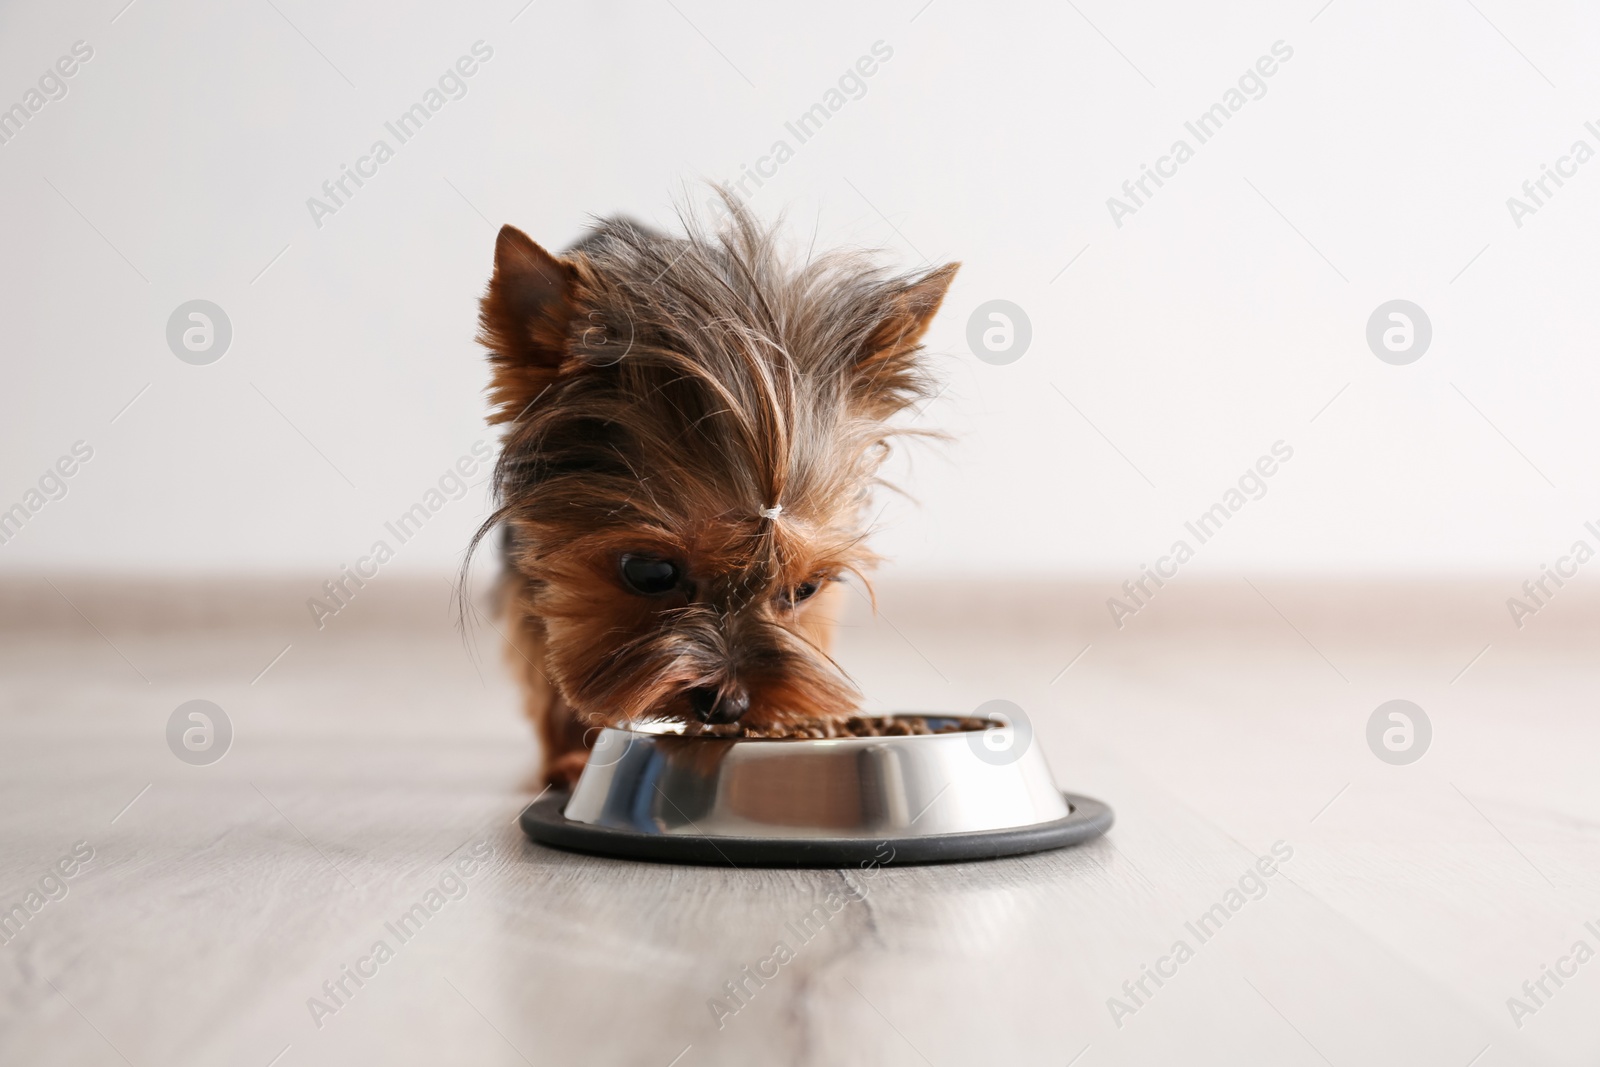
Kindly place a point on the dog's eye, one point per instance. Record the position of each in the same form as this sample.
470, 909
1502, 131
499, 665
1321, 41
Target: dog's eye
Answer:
801, 592
649, 575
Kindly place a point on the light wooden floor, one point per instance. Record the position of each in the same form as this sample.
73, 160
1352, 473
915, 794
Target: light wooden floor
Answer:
1226, 717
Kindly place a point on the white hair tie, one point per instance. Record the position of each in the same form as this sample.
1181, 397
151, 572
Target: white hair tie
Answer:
773, 512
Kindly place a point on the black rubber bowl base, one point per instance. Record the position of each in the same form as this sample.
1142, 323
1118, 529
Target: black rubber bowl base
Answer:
545, 821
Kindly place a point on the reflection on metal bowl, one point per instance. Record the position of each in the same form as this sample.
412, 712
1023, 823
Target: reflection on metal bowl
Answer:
654, 793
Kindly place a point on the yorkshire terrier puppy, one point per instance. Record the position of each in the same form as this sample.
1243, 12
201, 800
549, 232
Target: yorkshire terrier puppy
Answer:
694, 427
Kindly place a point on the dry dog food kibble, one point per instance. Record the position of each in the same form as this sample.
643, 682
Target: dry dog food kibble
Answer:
855, 726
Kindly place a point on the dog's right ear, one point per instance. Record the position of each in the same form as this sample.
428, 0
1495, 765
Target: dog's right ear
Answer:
523, 321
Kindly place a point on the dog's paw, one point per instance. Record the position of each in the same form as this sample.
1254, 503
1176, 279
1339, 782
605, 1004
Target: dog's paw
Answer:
563, 771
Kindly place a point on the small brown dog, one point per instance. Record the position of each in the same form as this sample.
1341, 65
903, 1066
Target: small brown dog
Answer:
694, 429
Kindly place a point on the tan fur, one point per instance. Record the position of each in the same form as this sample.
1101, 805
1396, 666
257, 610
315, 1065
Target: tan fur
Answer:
660, 393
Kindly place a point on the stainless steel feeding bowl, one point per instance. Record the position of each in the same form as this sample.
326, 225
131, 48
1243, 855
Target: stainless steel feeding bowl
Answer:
654, 793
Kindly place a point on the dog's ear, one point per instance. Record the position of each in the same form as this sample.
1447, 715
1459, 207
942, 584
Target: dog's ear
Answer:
886, 372
523, 321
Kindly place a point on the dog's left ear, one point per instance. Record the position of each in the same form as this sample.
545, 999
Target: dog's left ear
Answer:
886, 370
523, 320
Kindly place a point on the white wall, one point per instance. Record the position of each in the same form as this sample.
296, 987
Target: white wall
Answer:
1195, 335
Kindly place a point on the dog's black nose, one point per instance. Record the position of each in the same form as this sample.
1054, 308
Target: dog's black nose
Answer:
723, 705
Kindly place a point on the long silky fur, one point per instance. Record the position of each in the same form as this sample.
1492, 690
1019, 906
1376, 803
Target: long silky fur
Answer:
703, 379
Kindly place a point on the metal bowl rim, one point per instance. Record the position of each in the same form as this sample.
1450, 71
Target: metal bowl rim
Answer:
633, 731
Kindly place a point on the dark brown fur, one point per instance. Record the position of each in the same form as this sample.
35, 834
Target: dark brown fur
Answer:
659, 393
